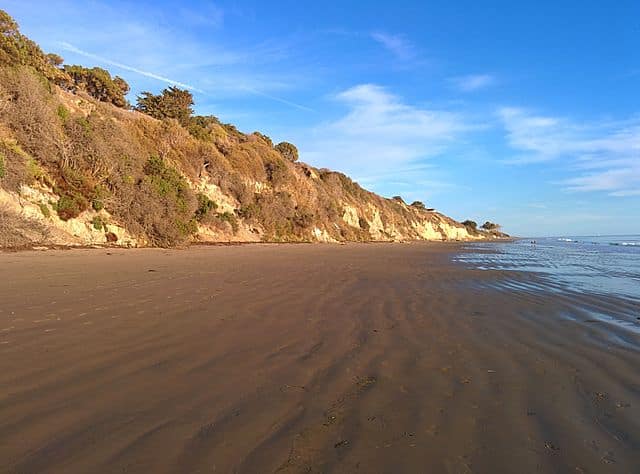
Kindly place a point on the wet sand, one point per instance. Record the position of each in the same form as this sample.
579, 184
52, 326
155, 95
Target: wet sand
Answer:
378, 358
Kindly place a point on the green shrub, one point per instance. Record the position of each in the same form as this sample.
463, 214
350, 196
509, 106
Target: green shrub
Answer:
187, 227
17, 49
84, 124
250, 211
165, 180
171, 103
74, 178
55, 59
287, 150
70, 206
97, 204
418, 204
488, 225
276, 171
205, 206
45, 210
99, 194
62, 112
99, 223
231, 219
201, 126
469, 224
99, 84
163, 204
35, 171
3, 169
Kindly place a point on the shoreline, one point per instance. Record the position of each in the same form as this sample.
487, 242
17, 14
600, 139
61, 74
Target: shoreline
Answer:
306, 359
55, 247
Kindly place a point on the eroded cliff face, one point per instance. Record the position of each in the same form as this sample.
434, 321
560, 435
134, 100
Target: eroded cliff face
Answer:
77, 171
28, 219
31, 212
104, 193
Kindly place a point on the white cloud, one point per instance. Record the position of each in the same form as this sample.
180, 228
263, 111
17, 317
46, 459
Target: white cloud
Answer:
620, 181
380, 136
605, 155
473, 82
398, 45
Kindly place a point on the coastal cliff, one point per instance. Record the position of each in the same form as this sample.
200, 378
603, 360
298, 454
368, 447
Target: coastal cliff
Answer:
80, 166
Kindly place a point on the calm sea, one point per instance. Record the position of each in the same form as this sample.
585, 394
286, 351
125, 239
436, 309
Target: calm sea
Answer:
598, 265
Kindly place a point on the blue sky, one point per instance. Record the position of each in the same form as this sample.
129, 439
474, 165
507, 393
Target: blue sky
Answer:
525, 113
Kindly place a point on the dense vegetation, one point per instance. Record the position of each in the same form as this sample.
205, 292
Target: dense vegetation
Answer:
469, 224
16, 49
172, 103
98, 83
490, 226
287, 150
155, 168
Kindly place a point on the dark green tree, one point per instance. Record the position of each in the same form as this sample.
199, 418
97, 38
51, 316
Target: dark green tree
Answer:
201, 126
172, 103
99, 84
287, 150
17, 49
121, 84
490, 226
55, 59
470, 224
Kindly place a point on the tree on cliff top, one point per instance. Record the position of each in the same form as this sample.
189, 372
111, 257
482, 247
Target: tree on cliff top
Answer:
470, 224
99, 84
490, 226
16, 49
171, 103
55, 59
287, 150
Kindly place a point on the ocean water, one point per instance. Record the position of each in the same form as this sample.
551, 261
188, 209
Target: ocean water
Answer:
602, 265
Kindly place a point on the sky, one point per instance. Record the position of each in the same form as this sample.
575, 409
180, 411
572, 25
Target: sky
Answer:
524, 113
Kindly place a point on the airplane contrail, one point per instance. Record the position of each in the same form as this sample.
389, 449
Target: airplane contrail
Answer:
74, 49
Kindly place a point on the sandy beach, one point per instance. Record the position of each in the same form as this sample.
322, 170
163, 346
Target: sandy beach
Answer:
373, 358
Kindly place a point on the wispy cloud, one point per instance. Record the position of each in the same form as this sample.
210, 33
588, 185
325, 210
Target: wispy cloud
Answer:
380, 137
69, 47
621, 181
473, 82
398, 45
605, 155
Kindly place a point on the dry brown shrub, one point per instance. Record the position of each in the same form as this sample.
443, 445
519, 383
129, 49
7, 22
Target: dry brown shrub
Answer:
30, 112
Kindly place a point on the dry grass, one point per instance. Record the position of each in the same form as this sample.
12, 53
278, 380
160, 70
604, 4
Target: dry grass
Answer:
95, 155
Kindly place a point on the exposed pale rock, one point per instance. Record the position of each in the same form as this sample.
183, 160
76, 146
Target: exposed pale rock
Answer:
350, 216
